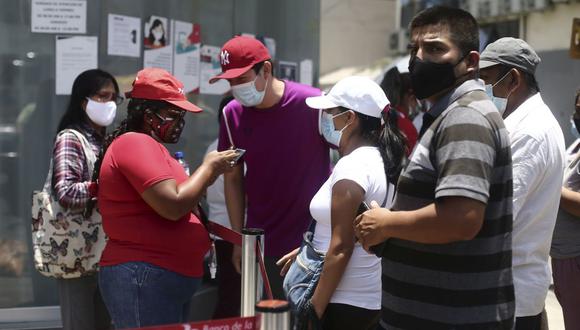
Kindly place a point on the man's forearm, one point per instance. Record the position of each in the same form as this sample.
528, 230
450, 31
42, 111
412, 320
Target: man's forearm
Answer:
445, 222
570, 201
235, 198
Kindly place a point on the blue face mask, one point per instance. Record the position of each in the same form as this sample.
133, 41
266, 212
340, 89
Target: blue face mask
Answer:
500, 102
329, 132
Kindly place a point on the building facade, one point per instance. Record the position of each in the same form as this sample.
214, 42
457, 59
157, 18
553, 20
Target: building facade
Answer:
31, 110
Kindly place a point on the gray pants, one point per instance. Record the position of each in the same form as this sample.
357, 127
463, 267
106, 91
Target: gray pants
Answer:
81, 305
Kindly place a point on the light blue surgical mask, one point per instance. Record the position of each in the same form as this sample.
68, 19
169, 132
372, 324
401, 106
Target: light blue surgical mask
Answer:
247, 94
500, 102
329, 132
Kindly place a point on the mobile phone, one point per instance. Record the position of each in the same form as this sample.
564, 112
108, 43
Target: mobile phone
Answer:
239, 154
376, 249
363, 208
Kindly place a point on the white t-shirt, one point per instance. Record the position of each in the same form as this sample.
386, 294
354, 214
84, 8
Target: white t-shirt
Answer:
216, 200
360, 285
538, 157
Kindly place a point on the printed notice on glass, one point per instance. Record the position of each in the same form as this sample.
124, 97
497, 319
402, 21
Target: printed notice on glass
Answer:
211, 67
306, 76
74, 55
59, 16
158, 52
124, 36
187, 54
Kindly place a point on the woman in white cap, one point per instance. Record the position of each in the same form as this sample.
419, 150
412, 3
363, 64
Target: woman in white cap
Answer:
348, 292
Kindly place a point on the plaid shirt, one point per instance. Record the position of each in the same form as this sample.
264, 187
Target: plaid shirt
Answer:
71, 179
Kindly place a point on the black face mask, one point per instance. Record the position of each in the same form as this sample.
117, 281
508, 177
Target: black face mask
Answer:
429, 78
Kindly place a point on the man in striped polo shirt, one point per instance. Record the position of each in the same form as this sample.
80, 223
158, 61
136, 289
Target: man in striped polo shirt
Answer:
447, 260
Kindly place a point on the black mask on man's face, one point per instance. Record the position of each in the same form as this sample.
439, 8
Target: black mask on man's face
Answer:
429, 78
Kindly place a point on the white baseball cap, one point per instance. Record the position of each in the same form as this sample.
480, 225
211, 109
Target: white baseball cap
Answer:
359, 94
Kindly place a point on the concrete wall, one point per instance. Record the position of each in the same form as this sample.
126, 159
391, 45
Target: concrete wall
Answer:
548, 32
354, 32
550, 29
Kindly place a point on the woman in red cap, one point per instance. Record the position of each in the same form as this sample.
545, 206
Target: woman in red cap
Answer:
153, 261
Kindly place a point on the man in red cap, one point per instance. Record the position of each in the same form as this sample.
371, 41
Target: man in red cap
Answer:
287, 159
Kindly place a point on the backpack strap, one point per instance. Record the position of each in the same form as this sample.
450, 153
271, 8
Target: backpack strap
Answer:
228, 128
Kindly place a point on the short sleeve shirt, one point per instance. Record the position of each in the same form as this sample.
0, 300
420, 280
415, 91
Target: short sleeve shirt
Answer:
466, 153
286, 161
133, 163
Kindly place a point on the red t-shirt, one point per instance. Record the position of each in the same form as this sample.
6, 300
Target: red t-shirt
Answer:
133, 163
408, 129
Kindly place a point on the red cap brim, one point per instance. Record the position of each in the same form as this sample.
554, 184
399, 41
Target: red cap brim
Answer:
231, 73
185, 105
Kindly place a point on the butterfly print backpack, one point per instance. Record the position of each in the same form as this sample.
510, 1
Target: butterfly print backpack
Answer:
65, 243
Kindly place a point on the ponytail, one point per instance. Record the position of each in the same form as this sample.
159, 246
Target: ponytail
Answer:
388, 139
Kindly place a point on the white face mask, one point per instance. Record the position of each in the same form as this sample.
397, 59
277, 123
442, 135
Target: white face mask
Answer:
500, 102
247, 94
157, 35
101, 114
329, 132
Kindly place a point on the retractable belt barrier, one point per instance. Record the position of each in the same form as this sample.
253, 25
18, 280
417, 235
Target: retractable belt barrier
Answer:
235, 238
271, 314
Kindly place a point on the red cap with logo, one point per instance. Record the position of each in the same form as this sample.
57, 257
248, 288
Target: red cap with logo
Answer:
239, 55
158, 84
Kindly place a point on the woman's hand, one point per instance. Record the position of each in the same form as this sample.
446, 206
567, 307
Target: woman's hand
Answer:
286, 261
219, 162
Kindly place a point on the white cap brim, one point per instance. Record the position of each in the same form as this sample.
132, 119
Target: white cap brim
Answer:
320, 102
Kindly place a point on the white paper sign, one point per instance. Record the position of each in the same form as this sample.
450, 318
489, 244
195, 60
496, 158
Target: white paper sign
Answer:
124, 36
59, 16
306, 72
73, 56
187, 54
210, 67
287, 70
157, 44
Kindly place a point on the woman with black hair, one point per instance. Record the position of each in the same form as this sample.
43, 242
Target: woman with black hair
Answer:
153, 261
156, 37
348, 293
92, 107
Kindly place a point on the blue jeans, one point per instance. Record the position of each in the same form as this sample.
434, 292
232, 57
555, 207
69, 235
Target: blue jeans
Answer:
139, 294
302, 277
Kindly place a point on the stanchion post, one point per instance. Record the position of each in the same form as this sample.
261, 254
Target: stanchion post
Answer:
275, 314
250, 276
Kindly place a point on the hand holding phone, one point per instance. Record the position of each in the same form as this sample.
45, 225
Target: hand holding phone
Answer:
376, 249
239, 154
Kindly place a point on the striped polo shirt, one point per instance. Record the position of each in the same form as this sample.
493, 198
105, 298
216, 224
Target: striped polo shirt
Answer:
467, 284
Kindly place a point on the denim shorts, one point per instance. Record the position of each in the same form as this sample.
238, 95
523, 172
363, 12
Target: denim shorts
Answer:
302, 277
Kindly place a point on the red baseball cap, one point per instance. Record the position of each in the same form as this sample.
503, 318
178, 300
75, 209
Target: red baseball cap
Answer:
158, 84
239, 55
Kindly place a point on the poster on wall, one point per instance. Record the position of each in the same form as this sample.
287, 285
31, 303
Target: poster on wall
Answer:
210, 67
186, 59
270, 44
306, 76
124, 35
287, 70
575, 40
157, 52
73, 56
58, 16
